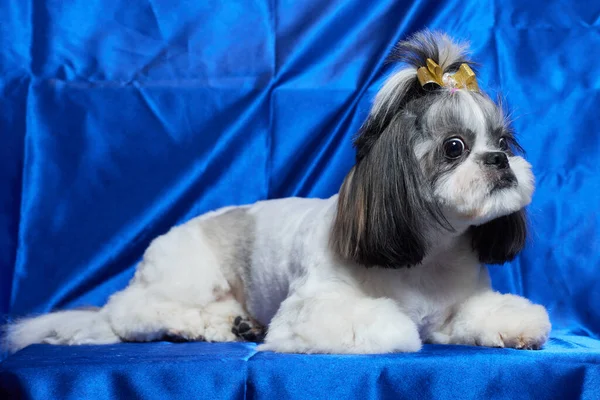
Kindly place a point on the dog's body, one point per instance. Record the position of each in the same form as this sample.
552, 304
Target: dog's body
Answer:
330, 275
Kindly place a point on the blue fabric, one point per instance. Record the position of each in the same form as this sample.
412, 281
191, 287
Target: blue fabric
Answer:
122, 118
568, 368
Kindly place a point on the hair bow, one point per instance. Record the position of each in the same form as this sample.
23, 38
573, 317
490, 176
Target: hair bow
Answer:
463, 78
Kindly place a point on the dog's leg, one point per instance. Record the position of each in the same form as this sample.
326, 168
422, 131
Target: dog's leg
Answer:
136, 316
336, 322
496, 320
180, 292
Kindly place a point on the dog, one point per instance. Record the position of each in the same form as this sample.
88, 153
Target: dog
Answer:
395, 259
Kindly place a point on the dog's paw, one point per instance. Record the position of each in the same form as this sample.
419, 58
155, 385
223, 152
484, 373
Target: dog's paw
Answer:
342, 326
248, 329
503, 321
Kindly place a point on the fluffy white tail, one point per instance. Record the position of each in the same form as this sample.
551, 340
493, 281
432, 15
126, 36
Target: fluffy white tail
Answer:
63, 327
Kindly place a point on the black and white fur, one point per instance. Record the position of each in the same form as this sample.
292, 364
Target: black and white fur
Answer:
394, 260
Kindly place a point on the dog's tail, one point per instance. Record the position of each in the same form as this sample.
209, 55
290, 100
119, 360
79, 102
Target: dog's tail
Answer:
88, 326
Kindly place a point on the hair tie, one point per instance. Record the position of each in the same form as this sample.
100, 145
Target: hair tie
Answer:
463, 78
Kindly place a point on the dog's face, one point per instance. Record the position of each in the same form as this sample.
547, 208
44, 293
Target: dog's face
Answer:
469, 156
430, 162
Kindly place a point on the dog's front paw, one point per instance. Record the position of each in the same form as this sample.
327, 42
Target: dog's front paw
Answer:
496, 320
527, 330
342, 326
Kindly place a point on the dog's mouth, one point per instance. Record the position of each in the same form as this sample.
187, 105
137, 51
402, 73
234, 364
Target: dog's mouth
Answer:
505, 181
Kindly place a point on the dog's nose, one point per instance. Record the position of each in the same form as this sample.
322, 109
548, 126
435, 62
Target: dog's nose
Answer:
496, 158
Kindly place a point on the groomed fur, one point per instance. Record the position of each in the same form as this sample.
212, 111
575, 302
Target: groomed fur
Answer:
387, 206
65, 327
385, 202
438, 184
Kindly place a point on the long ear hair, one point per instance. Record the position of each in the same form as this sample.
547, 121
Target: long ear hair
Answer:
384, 205
501, 239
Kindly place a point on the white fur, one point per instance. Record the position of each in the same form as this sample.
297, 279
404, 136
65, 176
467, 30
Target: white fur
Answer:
311, 301
63, 327
450, 51
271, 262
496, 320
392, 89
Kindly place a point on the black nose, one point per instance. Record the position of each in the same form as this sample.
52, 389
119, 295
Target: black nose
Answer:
497, 158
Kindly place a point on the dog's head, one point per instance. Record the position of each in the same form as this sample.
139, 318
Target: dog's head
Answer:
436, 154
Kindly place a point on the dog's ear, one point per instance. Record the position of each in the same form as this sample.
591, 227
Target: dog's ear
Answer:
500, 240
384, 203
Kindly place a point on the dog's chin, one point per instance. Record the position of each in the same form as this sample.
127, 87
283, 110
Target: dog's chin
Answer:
503, 197
505, 182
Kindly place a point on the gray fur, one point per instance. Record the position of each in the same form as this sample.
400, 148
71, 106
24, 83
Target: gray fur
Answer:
233, 232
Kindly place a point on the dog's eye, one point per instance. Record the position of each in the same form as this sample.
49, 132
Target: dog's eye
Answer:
453, 148
503, 144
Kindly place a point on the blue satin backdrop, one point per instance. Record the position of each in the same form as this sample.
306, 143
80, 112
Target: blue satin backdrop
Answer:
122, 118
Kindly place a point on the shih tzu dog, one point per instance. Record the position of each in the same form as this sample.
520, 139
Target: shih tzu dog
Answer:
395, 259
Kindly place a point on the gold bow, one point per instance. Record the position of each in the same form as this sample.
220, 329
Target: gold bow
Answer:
463, 78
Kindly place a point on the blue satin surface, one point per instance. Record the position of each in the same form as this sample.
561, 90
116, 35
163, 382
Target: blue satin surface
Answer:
568, 368
120, 119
